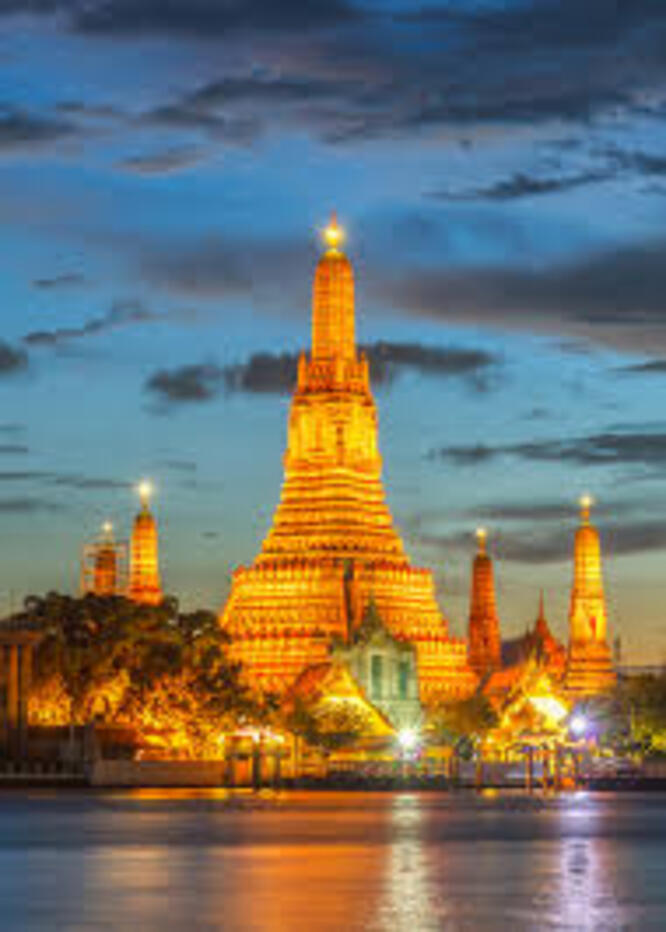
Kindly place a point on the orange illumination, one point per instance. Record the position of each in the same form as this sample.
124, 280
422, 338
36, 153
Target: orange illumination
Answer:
144, 585
589, 665
332, 547
333, 234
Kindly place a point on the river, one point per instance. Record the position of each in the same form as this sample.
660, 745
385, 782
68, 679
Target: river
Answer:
383, 862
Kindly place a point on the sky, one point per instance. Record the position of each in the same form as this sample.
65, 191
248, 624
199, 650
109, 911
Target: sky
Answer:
500, 169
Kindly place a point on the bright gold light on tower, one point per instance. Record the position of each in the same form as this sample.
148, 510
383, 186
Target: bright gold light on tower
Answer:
585, 501
107, 528
333, 234
481, 536
145, 490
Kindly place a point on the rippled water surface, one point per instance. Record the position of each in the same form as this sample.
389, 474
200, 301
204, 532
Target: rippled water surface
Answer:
327, 861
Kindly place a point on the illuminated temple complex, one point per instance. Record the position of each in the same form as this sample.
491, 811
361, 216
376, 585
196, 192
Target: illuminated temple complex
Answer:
332, 549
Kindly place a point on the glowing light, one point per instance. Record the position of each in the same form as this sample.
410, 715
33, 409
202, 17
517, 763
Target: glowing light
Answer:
408, 739
585, 501
579, 725
107, 527
333, 235
550, 707
481, 536
145, 490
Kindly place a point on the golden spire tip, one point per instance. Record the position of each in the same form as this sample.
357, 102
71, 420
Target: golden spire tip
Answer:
145, 490
586, 501
333, 234
481, 536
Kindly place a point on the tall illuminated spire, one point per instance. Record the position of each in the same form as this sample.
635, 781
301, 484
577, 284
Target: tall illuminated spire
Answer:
105, 578
332, 548
144, 566
484, 633
587, 617
590, 666
333, 325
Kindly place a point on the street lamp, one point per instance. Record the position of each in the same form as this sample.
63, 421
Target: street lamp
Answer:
408, 739
579, 725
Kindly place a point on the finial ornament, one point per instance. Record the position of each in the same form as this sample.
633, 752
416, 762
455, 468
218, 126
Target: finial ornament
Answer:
145, 490
333, 234
481, 536
107, 528
586, 501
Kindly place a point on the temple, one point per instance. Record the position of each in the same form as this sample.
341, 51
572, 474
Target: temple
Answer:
104, 565
589, 662
484, 628
332, 548
144, 578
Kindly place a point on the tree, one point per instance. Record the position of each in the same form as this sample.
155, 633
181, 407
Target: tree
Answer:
111, 660
463, 723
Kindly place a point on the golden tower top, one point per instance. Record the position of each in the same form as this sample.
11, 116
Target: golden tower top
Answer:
586, 502
484, 639
587, 615
333, 324
145, 491
144, 566
481, 537
333, 235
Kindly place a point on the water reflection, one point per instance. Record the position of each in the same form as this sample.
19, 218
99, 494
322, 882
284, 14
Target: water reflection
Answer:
328, 862
408, 897
587, 871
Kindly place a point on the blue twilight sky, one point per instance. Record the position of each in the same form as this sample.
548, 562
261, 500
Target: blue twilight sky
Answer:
501, 170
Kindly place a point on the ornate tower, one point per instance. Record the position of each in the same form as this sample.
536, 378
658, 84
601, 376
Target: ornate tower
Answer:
104, 565
589, 665
484, 631
548, 648
144, 584
332, 546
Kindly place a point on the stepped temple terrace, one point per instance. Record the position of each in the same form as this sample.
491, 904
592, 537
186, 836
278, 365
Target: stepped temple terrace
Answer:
333, 548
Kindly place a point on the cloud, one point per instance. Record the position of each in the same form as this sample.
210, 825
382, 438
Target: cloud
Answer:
11, 360
615, 295
220, 266
121, 314
90, 483
520, 186
276, 373
523, 511
207, 18
12, 449
22, 475
65, 280
167, 162
355, 72
199, 382
29, 505
188, 466
652, 367
20, 130
605, 449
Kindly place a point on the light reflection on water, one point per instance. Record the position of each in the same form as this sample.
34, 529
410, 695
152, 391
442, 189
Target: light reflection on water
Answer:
163, 860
